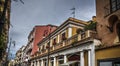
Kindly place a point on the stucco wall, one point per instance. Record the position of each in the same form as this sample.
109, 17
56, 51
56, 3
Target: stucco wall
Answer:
104, 33
113, 52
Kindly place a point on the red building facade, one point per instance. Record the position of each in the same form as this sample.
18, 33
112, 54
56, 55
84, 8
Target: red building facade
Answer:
40, 32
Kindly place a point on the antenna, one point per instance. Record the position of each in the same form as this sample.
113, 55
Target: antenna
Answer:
73, 11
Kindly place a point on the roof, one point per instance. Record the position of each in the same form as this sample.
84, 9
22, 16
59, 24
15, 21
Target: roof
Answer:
68, 21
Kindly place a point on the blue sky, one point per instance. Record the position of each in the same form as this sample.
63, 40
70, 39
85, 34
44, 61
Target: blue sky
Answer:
42, 12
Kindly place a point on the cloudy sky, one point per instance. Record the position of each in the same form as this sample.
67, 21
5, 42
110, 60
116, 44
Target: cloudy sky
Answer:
41, 12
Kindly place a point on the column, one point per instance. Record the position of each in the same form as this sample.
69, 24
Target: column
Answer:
31, 63
93, 55
42, 62
65, 58
69, 32
58, 39
81, 58
54, 61
89, 58
38, 63
34, 63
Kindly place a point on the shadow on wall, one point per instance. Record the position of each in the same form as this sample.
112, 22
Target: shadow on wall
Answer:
110, 34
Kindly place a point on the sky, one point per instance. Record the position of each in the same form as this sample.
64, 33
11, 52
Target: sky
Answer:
42, 12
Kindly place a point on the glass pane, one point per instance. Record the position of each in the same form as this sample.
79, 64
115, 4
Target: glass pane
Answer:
113, 0
118, 6
105, 63
113, 4
118, 1
117, 64
113, 9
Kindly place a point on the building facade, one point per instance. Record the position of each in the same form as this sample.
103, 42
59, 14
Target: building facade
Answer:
36, 35
108, 29
19, 59
68, 45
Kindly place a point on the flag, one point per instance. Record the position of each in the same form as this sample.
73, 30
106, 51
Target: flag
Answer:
73, 12
72, 8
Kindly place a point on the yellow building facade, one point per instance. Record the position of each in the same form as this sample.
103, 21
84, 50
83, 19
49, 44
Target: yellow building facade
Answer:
67, 45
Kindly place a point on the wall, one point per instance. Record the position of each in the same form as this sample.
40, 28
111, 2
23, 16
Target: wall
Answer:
112, 52
104, 33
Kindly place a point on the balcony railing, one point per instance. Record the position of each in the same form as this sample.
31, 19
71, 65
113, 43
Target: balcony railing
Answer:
72, 40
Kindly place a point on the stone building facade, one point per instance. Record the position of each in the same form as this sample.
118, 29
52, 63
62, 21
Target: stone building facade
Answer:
108, 29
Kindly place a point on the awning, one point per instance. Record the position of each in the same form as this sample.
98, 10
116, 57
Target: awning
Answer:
68, 63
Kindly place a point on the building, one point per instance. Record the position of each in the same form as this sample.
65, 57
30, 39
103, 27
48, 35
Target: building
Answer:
69, 44
38, 33
108, 29
35, 36
4, 27
19, 56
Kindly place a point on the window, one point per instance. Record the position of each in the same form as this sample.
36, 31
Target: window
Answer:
45, 33
105, 63
47, 45
112, 7
109, 62
115, 5
43, 47
117, 63
54, 41
63, 36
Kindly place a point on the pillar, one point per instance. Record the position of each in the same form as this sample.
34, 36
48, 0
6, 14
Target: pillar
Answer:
82, 58
65, 58
42, 62
93, 56
58, 39
89, 58
54, 61
31, 63
69, 32
38, 63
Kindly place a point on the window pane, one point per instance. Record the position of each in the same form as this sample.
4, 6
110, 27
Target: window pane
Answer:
117, 64
105, 63
118, 1
118, 4
113, 4
113, 9
113, 0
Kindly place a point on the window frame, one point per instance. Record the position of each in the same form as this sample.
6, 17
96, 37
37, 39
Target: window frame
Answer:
108, 9
115, 6
113, 60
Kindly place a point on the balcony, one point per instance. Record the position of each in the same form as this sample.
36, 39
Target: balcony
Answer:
74, 39
70, 41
